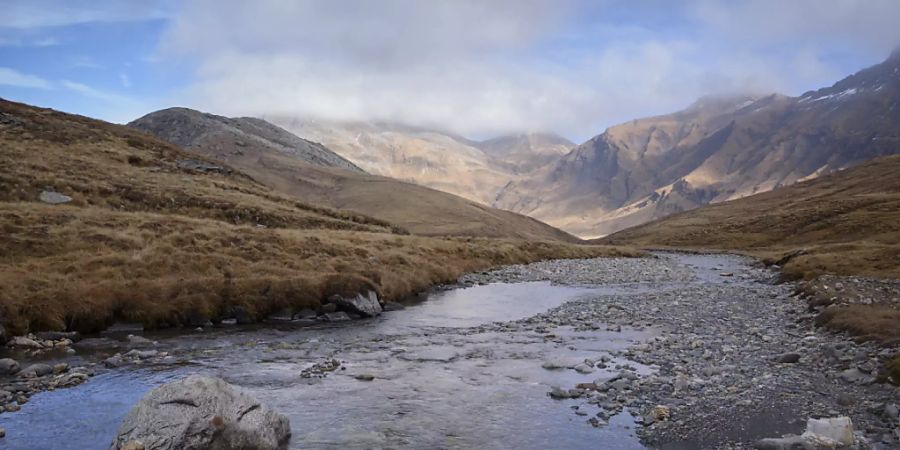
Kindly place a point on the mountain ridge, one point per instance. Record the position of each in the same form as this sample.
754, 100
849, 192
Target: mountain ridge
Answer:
644, 169
421, 210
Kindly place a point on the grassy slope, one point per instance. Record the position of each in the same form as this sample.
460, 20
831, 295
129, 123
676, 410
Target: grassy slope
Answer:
847, 223
145, 240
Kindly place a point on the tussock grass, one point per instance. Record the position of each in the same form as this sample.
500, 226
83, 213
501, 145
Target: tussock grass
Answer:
880, 323
145, 240
80, 269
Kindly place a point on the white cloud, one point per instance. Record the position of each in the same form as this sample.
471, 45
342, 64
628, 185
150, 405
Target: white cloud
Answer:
480, 68
50, 13
125, 80
10, 77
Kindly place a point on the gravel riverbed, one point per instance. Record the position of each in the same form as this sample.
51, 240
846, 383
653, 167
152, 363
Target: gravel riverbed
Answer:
736, 357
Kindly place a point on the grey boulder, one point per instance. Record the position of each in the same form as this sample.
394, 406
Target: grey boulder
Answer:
365, 305
54, 198
8, 366
200, 412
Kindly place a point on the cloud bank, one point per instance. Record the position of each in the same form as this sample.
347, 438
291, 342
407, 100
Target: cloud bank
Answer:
482, 68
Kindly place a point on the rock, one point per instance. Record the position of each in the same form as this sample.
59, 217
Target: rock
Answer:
659, 413
789, 358
557, 393
726, 274
366, 305
54, 198
583, 368
365, 377
141, 354
114, 361
339, 316
829, 433
36, 370
328, 308
856, 376
845, 399
891, 411
24, 342
8, 366
134, 445
198, 413
3, 336
2, 432
60, 368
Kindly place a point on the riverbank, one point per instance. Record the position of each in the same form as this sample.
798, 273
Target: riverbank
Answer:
673, 351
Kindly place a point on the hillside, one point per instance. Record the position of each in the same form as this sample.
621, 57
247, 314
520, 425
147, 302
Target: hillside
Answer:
229, 137
417, 209
844, 223
715, 150
104, 223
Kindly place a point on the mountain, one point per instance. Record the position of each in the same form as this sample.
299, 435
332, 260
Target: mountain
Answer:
443, 161
418, 209
103, 223
716, 150
846, 223
526, 152
223, 137
429, 158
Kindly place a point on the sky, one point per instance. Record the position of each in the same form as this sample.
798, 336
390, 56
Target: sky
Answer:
479, 68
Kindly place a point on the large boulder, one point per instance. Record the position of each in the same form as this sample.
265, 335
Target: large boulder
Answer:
202, 413
8, 366
365, 305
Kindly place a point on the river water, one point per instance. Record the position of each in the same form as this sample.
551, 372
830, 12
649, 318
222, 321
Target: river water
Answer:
442, 378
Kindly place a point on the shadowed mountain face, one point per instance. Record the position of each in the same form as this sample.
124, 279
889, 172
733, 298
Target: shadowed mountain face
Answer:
715, 150
523, 153
443, 161
313, 173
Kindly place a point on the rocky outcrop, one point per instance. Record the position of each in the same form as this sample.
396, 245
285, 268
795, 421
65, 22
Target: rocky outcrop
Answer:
200, 412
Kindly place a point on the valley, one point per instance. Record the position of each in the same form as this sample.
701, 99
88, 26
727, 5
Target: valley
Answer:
359, 230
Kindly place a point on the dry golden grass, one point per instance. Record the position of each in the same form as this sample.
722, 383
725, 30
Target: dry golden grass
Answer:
145, 241
81, 268
848, 223
880, 323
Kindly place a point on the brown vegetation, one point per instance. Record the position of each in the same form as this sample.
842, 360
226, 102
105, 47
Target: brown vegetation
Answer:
145, 240
845, 223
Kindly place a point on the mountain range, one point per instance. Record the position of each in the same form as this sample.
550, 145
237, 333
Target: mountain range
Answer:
715, 150
308, 171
